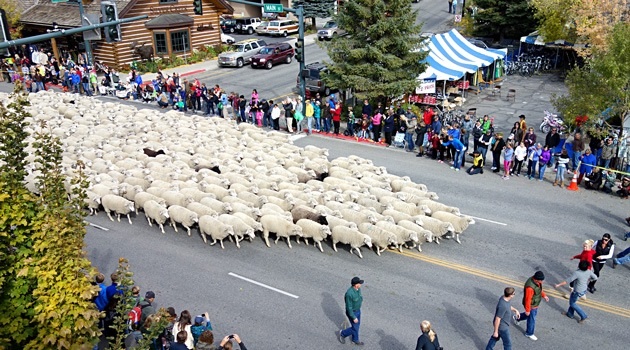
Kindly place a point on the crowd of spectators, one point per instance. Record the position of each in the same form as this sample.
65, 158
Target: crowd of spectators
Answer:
181, 333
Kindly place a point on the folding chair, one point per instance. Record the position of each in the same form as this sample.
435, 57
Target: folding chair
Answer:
511, 93
496, 90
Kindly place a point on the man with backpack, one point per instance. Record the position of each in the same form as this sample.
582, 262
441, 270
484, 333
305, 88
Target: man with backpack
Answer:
145, 307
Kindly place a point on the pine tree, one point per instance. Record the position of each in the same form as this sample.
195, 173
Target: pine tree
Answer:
315, 8
504, 19
380, 56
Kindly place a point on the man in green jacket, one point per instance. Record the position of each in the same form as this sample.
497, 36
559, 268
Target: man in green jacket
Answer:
353, 299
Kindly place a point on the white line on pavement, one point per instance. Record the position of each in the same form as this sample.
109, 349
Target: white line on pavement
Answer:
263, 285
98, 226
491, 221
296, 137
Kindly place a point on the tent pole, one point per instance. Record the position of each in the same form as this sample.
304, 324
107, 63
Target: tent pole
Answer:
555, 64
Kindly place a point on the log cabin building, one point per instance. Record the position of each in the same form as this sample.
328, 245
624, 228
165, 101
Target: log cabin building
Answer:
171, 28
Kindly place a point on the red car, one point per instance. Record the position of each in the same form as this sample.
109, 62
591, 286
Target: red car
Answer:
273, 54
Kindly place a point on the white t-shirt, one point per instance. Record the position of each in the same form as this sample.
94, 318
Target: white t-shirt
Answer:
190, 342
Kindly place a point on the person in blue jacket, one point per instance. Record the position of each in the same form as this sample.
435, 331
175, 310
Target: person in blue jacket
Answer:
459, 151
587, 161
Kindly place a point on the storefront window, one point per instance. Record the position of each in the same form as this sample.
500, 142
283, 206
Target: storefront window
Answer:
180, 41
160, 44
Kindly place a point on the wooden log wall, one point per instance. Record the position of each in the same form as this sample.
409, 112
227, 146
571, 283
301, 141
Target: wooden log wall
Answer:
120, 54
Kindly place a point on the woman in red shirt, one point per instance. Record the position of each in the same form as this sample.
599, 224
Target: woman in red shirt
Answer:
587, 253
336, 117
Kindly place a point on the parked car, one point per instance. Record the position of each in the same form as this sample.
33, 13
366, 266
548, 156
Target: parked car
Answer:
241, 53
283, 27
329, 31
228, 26
247, 25
313, 77
262, 28
227, 39
273, 54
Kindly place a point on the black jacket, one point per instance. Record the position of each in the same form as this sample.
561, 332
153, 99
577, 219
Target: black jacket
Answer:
424, 343
552, 140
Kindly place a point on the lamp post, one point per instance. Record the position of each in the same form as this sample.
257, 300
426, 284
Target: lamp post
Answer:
53, 41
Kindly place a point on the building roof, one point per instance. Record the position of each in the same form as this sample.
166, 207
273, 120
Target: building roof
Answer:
169, 20
65, 14
24, 5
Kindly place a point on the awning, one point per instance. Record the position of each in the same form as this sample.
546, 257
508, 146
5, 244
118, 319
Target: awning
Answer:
533, 38
170, 20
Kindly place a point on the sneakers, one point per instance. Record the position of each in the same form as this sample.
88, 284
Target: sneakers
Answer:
359, 343
457, 169
516, 320
505, 177
532, 337
452, 167
615, 263
341, 339
493, 168
582, 320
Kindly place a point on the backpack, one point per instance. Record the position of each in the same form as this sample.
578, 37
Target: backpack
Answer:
135, 315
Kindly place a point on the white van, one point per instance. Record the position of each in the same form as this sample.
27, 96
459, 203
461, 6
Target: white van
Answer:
282, 27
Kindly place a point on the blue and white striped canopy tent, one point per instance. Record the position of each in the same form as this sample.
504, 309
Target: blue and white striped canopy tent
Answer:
451, 56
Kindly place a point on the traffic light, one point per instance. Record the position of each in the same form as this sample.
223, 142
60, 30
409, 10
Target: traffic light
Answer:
197, 7
299, 50
110, 14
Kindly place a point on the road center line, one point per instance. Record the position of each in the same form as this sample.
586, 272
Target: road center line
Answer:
263, 285
487, 220
98, 226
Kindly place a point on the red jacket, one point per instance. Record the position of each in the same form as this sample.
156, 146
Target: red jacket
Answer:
586, 255
336, 114
428, 116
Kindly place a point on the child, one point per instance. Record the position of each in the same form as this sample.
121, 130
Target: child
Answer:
508, 155
350, 126
364, 128
563, 160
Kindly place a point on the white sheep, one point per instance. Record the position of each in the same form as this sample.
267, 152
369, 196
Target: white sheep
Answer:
257, 226
311, 229
281, 227
397, 215
460, 223
357, 216
195, 193
403, 235
381, 239
141, 197
183, 216
218, 231
410, 225
438, 227
437, 206
241, 229
118, 204
408, 208
156, 212
217, 205
93, 202
201, 209
352, 237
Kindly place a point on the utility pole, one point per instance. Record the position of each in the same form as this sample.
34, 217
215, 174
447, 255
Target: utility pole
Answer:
88, 46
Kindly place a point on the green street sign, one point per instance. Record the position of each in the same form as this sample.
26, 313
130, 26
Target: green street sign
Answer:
58, 1
271, 8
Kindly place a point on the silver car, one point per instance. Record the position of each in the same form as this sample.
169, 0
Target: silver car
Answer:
241, 53
262, 28
329, 31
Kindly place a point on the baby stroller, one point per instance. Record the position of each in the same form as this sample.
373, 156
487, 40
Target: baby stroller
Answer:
399, 140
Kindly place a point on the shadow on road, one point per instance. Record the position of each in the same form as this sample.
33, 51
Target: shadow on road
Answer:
332, 309
489, 300
389, 342
463, 323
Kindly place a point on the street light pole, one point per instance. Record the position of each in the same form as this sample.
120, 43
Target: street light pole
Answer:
88, 46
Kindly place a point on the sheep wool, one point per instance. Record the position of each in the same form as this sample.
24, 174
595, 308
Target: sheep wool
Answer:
352, 237
381, 239
218, 231
311, 229
182, 216
118, 204
282, 228
156, 212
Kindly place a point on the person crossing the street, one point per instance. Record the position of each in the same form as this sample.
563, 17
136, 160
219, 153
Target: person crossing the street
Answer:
353, 301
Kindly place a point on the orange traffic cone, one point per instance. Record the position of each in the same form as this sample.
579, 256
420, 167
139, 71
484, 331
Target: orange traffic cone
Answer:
573, 186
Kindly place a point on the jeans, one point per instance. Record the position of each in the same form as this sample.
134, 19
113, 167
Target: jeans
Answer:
309, 124
604, 162
326, 125
457, 162
531, 168
541, 170
496, 160
531, 321
409, 141
576, 159
504, 335
560, 174
289, 124
350, 128
483, 151
318, 125
40, 86
573, 306
353, 330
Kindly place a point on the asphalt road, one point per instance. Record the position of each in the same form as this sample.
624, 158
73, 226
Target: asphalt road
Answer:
454, 286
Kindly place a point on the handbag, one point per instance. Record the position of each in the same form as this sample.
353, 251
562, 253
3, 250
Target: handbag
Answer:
298, 116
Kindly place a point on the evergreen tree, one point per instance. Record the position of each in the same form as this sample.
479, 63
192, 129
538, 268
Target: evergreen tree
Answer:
315, 8
504, 19
380, 57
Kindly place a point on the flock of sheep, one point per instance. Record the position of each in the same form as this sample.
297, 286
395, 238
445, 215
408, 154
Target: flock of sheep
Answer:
235, 180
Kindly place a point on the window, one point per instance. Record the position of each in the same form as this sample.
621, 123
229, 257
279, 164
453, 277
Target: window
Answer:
167, 1
180, 41
160, 44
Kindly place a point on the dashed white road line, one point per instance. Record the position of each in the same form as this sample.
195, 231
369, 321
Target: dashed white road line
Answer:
296, 137
487, 220
263, 285
98, 226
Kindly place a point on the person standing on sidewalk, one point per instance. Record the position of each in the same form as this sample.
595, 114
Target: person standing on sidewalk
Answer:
532, 295
353, 300
335, 114
604, 250
450, 6
580, 279
501, 320
308, 113
459, 151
